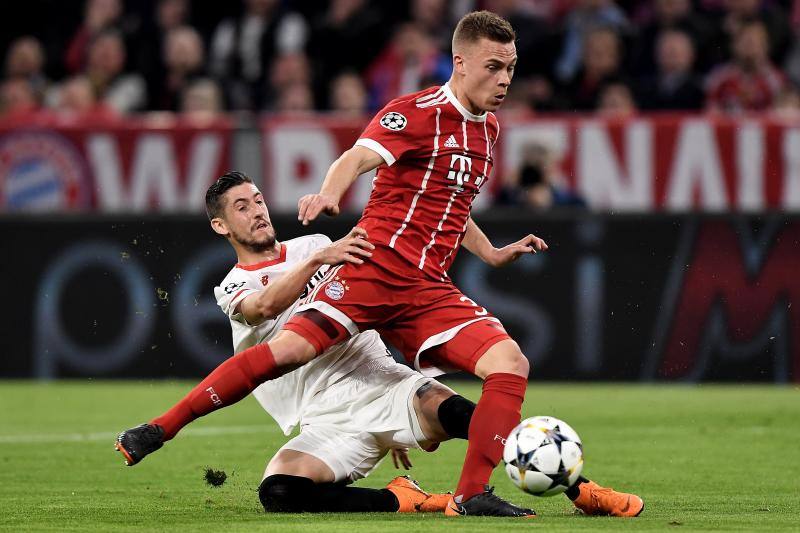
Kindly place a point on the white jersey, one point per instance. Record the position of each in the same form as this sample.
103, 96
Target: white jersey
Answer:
288, 398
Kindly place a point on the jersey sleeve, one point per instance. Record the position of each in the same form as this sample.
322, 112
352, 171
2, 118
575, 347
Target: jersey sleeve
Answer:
230, 294
320, 241
397, 130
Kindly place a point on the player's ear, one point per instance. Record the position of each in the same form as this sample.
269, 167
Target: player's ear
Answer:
458, 63
219, 226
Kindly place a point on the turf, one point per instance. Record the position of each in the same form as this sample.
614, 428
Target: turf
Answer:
708, 457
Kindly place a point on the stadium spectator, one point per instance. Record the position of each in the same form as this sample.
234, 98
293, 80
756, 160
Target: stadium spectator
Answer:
524, 96
150, 41
674, 86
246, 51
750, 81
75, 97
25, 59
673, 15
295, 98
201, 101
242, 49
585, 17
409, 63
347, 36
434, 18
536, 39
601, 61
349, 95
616, 101
17, 98
786, 105
183, 58
792, 64
538, 182
98, 16
105, 63
775, 20
287, 70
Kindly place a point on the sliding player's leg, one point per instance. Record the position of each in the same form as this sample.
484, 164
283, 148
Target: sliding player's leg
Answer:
297, 481
231, 381
312, 472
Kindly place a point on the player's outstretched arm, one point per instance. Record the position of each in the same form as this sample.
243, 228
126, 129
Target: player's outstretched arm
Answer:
476, 241
276, 297
341, 175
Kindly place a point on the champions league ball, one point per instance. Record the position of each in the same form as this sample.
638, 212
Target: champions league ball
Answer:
543, 456
393, 121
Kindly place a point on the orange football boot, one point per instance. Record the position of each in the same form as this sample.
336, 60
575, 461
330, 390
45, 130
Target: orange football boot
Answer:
413, 499
596, 500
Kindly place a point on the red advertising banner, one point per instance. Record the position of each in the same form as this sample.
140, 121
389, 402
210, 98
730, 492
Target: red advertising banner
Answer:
131, 165
297, 153
669, 163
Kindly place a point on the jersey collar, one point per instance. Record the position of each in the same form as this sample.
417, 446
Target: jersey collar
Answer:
258, 266
461, 109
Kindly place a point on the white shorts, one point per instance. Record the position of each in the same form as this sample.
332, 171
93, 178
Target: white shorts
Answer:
353, 424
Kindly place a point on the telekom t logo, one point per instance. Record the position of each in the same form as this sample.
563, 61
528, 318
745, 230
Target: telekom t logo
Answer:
464, 165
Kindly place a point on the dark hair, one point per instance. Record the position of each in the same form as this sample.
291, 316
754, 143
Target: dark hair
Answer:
483, 24
218, 189
748, 23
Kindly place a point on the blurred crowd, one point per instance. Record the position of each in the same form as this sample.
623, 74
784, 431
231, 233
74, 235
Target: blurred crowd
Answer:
112, 57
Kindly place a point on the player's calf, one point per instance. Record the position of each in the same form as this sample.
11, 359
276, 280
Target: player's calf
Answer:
283, 493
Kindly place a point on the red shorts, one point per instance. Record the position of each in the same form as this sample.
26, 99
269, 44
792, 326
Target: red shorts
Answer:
430, 322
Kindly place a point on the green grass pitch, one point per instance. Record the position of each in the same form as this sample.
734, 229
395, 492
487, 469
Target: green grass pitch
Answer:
702, 457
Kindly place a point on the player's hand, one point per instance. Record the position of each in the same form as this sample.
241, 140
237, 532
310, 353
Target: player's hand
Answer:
400, 457
311, 205
352, 248
530, 244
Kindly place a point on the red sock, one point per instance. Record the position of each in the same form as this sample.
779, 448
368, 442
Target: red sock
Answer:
231, 381
495, 416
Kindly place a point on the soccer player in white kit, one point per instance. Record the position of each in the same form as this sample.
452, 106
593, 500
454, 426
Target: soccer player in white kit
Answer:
354, 403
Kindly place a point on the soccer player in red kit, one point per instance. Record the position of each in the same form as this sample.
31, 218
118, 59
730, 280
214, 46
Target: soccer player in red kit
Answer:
433, 151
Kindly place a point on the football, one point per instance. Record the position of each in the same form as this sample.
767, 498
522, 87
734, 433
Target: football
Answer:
543, 456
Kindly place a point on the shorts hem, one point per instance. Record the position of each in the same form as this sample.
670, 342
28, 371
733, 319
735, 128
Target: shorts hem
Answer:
442, 338
338, 469
332, 313
306, 333
414, 422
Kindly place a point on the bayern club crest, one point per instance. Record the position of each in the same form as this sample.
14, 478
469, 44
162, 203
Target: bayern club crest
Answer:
334, 290
40, 171
393, 121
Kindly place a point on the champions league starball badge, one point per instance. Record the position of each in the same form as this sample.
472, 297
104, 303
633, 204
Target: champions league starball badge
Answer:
393, 121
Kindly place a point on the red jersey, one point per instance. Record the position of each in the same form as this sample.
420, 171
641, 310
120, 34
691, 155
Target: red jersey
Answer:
437, 157
731, 89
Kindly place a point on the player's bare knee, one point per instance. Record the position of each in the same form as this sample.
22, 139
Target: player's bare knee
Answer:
291, 350
522, 366
504, 357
